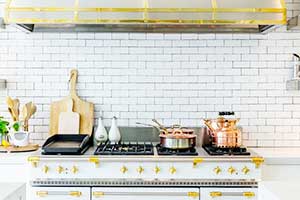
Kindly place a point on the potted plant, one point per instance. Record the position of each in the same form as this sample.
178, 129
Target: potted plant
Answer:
4, 129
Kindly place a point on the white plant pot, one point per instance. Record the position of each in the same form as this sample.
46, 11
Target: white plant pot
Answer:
19, 138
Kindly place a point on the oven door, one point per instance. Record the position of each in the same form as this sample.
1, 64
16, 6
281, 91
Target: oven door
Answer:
59, 193
229, 194
136, 193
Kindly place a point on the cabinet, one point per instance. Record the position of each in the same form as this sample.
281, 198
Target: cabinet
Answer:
134, 193
60, 193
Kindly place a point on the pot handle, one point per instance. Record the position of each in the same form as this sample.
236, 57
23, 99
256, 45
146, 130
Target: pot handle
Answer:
177, 131
164, 132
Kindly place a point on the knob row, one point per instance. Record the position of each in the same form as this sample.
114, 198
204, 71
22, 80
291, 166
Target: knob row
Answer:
60, 169
140, 170
232, 170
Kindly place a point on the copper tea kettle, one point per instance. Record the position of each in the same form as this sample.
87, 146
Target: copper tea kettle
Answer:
224, 131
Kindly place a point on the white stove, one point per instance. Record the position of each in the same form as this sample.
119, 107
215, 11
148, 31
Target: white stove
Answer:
134, 177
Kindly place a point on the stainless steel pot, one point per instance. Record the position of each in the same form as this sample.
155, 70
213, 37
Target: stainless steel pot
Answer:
177, 143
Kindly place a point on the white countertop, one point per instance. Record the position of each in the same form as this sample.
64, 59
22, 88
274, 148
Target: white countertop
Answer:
14, 158
8, 189
280, 155
279, 190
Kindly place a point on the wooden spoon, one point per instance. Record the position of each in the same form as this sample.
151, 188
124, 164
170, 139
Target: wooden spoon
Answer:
29, 110
26, 114
16, 108
11, 109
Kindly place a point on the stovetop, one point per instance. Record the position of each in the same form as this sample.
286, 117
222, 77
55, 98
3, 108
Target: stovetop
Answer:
215, 151
125, 148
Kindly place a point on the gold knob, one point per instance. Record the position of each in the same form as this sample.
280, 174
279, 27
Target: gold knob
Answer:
173, 170
231, 170
140, 169
74, 170
245, 170
156, 169
217, 170
60, 169
124, 169
45, 169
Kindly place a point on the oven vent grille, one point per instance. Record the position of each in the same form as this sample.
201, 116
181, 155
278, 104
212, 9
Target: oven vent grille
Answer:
154, 183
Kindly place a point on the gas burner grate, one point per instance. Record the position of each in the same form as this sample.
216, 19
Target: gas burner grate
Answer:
125, 148
175, 152
216, 151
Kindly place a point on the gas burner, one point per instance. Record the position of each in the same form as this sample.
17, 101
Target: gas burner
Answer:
125, 148
176, 152
216, 151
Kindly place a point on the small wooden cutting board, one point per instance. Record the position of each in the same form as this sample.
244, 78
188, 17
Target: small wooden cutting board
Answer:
83, 108
68, 122
13, 149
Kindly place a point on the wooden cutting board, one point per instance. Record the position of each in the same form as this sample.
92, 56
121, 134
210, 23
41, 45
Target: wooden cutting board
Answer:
68, 122
12, 149
83, 108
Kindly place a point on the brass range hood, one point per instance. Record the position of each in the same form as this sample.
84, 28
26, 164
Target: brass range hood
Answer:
165, 16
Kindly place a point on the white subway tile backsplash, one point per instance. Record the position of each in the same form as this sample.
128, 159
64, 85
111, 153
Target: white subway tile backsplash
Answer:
176, 78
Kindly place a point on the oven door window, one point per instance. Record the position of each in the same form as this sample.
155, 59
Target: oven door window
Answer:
151, 193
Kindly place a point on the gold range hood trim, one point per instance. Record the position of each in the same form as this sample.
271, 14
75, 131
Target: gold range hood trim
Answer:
145, 23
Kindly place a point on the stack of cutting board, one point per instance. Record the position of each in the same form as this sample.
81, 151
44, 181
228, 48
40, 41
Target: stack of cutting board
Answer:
72, 115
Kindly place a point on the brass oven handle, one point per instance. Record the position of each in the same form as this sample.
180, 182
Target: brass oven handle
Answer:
99, 194
230, 194
49, 193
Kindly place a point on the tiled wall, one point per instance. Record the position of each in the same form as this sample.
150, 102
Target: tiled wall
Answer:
176, 78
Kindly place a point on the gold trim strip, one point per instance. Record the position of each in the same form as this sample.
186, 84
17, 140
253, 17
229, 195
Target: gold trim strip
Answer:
214, 6
145, 14
7, 7
76, 4
283, 5
101, 21
205, 10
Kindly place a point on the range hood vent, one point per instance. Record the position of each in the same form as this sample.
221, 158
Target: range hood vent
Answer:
146, 15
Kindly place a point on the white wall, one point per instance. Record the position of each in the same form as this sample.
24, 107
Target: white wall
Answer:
176, 78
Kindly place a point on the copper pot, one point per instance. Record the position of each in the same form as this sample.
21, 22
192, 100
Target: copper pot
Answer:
224, 132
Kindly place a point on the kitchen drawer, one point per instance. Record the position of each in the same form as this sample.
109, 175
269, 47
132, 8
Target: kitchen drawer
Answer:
229, 193
135, 193
59, 193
